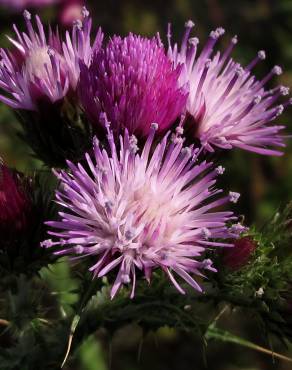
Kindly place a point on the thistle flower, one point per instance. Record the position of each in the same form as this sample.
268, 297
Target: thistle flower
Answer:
141, 211
43, 68
24, 206
39, 78
18, 5
14, 206
227, 107
133, 82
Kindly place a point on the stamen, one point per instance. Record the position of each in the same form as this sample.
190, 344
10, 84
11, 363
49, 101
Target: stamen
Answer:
47, 243
188, 25
27, 15
277, 70
84, 12
234, 196
203, 77
228, 51
78, 24
78, 249
261, 55
154, 126
239, 228
206, 233
194, 41
51, 52
284, 90
133, 144
220, 170
186, 151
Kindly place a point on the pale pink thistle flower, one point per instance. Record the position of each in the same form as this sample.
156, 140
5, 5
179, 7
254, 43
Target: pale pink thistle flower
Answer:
227, 106
41, 68
141, 210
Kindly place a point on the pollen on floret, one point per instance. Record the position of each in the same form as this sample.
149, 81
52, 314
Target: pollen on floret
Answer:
234, 196
220, 170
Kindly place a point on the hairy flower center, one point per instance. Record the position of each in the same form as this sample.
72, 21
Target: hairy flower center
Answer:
155, 208
38, 63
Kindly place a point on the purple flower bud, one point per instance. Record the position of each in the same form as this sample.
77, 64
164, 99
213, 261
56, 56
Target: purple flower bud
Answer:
14, 204
238, 256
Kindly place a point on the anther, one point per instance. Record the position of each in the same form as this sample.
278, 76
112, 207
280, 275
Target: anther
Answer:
84, 12
51, 52
189, 24
193, 41
219, 170
78, 249
284, 90
186, 151
27, 15
261, 54
206, 233
78, 24
234, 196
154, 126
277, 70
257, 99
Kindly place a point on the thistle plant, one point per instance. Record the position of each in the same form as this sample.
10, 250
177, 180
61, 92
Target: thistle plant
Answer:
129, 130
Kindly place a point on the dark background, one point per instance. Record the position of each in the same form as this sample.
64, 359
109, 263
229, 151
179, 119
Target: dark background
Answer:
265, 183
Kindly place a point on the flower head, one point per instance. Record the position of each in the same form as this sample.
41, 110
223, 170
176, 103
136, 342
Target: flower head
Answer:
18, 5
141, 211
134, 83
14, 205
227, 106
42, 68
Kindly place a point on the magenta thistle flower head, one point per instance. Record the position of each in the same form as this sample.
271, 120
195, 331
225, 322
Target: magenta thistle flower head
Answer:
42, 68
139, 211
14, 204
227, 106
134, 83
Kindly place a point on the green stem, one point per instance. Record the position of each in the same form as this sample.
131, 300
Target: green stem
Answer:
225, 336
88, 294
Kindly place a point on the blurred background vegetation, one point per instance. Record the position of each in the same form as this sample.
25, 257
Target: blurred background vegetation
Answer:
265, 183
